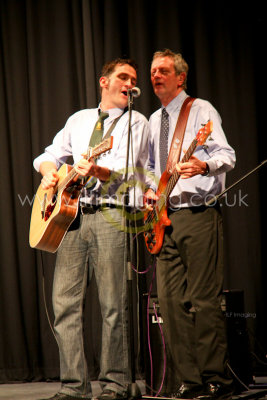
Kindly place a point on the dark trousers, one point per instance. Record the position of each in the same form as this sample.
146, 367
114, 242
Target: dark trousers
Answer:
190, 283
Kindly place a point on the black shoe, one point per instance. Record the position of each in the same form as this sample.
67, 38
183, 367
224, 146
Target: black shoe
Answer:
186, 391
108, 394
216, 391
62, 396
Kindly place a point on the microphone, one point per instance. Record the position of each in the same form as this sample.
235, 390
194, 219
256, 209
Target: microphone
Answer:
135, 92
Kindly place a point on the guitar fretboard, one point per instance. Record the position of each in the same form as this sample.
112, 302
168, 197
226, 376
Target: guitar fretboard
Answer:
175, 177
68, 178
96, 151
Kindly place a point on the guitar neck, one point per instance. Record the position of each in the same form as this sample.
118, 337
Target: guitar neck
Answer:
68, 178
95, 152
166, 189
175, 176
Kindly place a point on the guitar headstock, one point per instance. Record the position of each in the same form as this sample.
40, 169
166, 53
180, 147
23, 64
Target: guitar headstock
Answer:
101, 147
204, 133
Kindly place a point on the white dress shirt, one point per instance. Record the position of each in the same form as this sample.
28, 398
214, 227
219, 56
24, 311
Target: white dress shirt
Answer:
218, 154
74, 138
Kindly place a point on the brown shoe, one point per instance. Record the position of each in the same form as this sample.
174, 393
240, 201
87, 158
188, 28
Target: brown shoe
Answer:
108, 394
62, 396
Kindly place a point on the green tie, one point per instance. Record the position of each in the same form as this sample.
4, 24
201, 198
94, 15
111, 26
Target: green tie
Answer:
98, 130
94, 140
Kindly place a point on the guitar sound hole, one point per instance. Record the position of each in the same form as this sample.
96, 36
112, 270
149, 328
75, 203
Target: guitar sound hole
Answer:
49, 210
54, 199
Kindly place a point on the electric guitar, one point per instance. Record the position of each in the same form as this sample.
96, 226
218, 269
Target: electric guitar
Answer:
157, 219
55, 209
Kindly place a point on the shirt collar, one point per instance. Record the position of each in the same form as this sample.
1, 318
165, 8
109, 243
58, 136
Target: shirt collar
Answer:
112, 112
176, 103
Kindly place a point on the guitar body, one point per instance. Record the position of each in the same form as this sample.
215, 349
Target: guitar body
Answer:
53, 212
158, 218
55, 209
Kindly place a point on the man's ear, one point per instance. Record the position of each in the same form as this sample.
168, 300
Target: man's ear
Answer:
181, 78
103, 82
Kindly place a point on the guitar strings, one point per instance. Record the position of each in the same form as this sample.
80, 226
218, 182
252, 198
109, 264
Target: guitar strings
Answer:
72, 173
152, 215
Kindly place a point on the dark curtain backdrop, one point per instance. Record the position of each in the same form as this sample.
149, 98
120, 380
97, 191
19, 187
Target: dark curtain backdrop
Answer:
51, 55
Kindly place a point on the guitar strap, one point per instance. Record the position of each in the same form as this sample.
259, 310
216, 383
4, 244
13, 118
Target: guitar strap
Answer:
114, 123
178, 136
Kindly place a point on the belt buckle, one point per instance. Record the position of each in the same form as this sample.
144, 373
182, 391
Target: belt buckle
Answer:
90, 209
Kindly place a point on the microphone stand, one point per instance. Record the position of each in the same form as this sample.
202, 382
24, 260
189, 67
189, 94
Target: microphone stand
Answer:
134, 390
213, 200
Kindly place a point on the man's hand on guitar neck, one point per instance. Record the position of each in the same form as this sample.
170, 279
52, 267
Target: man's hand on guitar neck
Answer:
191, 168
89, 168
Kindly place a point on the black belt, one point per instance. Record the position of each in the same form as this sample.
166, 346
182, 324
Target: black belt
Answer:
195, 209
93, 208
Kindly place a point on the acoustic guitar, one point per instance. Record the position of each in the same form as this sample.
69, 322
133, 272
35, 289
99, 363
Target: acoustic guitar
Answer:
55, 209
157, 219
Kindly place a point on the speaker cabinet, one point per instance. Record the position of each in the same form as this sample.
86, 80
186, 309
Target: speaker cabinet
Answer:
237, 336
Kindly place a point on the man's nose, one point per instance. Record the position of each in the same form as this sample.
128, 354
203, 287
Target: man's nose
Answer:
129, 83
156, 74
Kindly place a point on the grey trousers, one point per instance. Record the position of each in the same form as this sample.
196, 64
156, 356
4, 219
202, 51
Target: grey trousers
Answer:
190, 284
97, 244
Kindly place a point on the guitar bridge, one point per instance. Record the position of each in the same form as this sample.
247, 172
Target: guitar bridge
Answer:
43, 206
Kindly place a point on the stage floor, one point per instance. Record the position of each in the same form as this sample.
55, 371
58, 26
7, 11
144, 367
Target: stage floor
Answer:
39, 390
28, 391
42, 390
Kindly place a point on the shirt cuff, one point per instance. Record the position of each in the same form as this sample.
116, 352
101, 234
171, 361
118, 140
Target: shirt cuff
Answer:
207, 169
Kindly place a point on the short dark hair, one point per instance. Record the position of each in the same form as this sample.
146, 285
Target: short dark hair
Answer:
109, 67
